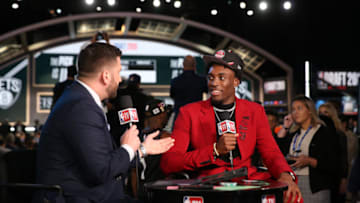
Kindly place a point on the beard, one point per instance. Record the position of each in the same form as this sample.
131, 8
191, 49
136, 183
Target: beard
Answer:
112, 90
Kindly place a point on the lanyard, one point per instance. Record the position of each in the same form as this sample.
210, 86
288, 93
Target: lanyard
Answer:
301, 140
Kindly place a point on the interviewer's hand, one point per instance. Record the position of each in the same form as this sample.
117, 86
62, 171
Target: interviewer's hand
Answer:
293, 190
157, 146
131, 138
226, 143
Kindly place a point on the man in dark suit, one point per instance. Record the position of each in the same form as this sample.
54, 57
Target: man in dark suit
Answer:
187, 87
200, 146
76, 150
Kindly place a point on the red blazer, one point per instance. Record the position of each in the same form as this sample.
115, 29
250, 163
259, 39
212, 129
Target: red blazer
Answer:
195, 130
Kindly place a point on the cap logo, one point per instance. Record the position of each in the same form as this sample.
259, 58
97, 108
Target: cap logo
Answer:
220, 54
156, 111
230, 63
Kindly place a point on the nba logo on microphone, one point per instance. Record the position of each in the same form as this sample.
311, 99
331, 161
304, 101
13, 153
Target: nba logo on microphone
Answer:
268, 199
124, 116
232, 126
193, 199
134, 116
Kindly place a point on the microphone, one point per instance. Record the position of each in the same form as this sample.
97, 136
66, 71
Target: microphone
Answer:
227, 126
127, 114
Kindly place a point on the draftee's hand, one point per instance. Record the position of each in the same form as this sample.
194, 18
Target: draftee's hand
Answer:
226, 143
292, 194
131, 138
157, 146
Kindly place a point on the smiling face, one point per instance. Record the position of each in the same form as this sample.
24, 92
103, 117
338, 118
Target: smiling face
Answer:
221, 84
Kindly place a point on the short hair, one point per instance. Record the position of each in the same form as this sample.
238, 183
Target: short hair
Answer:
95, 56
189, 61
71, 71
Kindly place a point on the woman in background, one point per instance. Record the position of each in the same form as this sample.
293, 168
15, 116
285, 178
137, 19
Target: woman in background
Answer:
312, 151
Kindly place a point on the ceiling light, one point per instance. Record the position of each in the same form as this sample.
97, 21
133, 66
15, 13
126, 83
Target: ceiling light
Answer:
142, 0
15, 6
167, 1
98, 8
138, 9
214, 12
242, 5
58, 11
263, 5
156, 3
250, 12
287, 5
111, 2
89, 2
177, 4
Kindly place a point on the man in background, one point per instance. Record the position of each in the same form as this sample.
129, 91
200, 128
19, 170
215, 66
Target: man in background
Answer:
187, 87
60, 86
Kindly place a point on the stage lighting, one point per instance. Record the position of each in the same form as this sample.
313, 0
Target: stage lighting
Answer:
58, 11
242, 5
250, 12
263, 5
111, 2
15, 5
214, 12
89, 2
156, 3
98, 8
287, 5
138, 10
177, 4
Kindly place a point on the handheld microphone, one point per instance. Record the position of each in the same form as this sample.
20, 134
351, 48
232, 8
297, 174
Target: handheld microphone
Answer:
227, 126
127, 114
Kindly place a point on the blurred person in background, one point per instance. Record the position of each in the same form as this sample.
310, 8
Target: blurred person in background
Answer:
60, 86
187, 87
139, 98
312, 152
339, 190
10, 141
5, 128
19, 126
156, 117
352, 142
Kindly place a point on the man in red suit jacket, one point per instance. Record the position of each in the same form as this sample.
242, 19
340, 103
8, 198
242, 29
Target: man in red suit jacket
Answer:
202, 147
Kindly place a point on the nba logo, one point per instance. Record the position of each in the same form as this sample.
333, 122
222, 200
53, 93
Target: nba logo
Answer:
222, 127
134, 116
193, 199
232, 127
268, 199
124, 116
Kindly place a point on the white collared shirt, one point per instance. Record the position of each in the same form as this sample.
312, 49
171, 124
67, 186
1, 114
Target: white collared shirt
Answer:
97, 100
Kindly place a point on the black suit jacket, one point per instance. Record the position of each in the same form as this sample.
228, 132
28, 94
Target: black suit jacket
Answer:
324, 148
77, 152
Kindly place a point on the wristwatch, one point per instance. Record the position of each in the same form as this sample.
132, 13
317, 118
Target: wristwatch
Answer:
143, 150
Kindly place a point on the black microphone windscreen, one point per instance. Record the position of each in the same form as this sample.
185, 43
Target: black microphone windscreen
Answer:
125, 101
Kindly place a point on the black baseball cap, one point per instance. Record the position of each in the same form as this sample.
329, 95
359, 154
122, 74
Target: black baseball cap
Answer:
154, 107
226, 58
